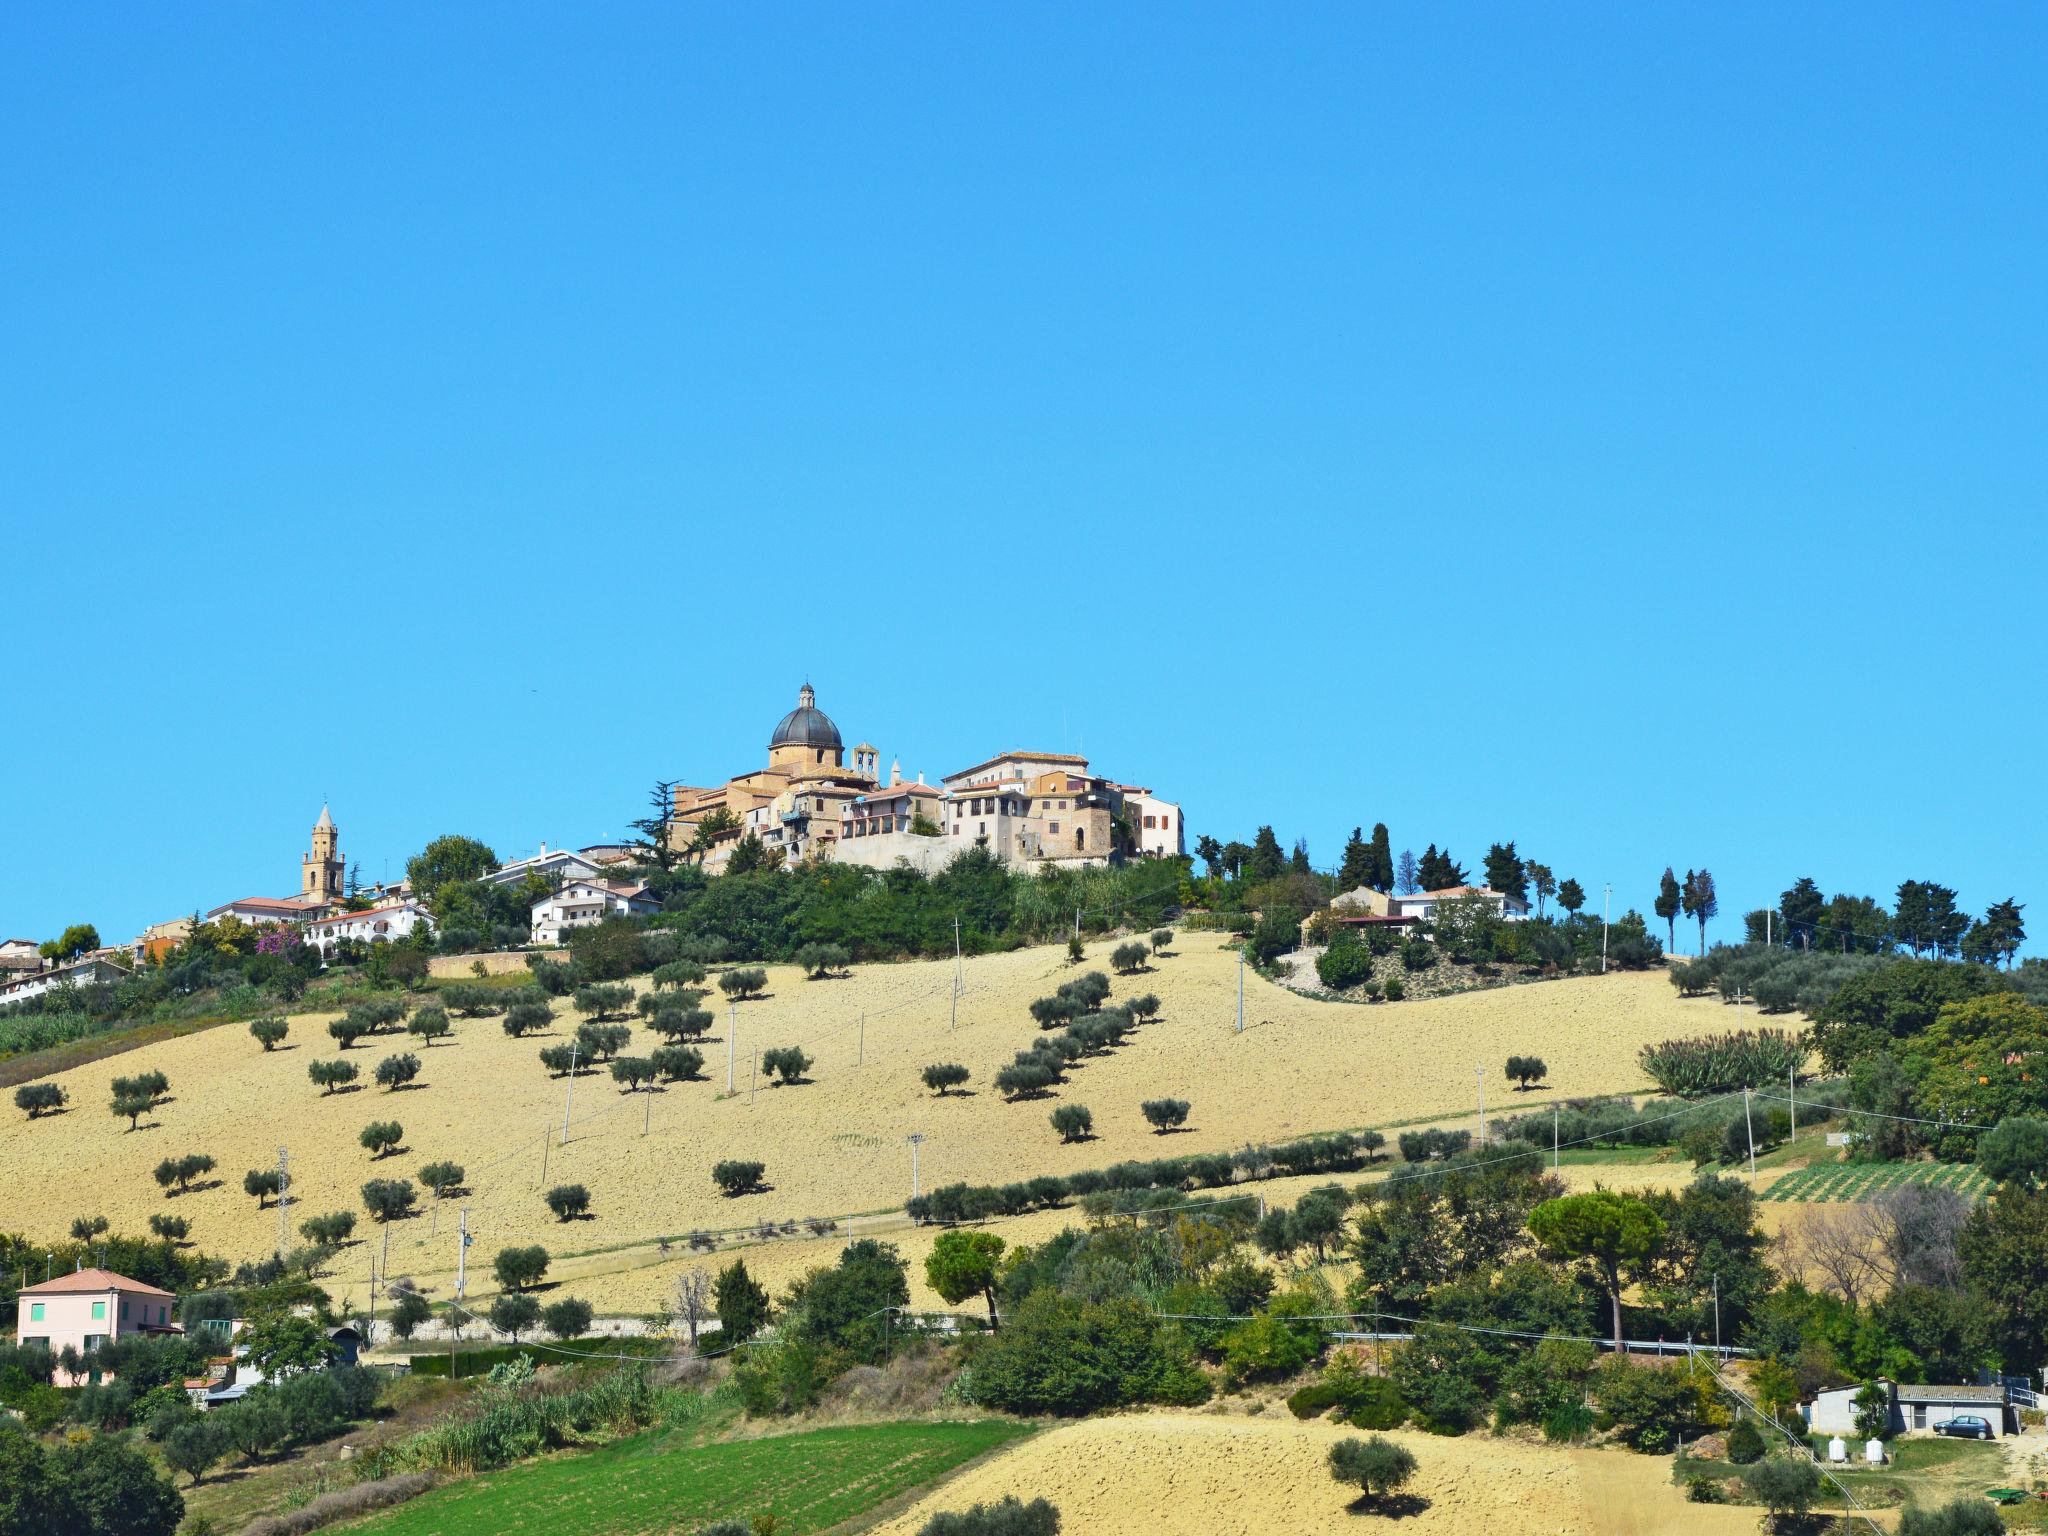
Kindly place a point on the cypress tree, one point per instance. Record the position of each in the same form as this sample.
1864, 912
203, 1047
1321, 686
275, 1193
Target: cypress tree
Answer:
1381, 875
1356, 870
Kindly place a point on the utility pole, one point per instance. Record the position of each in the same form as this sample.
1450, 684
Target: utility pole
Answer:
1717, 1314
1606, 901
1240, 991
1792, 1097
284, 1198
1749, 1131
953, 1020
860, 1052
753, 1077
462, 1256
1479, 1073
959, 972
732, 1027
546, 1141
1553, 1138
569, 1102
1767, 927
647, 1110
1077, 922
916, 1140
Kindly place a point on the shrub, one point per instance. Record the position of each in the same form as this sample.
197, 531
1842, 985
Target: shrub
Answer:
1744, 1443
1964, 1516
739, 985
395, 1072
39, 1099
513, 1313
269, 1030
1165, 1114
1143, 1008
331, 1075
560, 1059
1376, 1464
1710, 1064
568, 1201
677, 1063
567, 1319
1129, 958
1347, 963
388, 1199
1526, 1070
522, 1019
443, 1178
1075, 949
1161, 937
1417, 953
1396, 989
786, 1062
520, 1268
942, 1077
734, 1177
632, 1072
380, 1138
1008, 1517
1073, 1122
1377, 1405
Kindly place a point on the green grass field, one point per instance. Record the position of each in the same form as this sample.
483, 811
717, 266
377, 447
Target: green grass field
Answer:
660, 1482
1849, 1182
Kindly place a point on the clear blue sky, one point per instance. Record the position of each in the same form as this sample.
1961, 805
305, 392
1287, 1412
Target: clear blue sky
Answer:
1614, 428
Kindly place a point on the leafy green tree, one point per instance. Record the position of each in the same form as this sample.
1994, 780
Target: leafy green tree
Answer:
736, 1177
785, 1064
195, 1447
740, 1302
131, 1104
408, 1313
1898, 1000
963, 1265
520, 1268
1802, 907
331, 1075
380, 1138
102, 1484
1785, 1485
448, 861
569, 1202
677, 1063
76, 940
430, 1024
388, 1200
1267, 862
1355, 869
1571, 896
513, 1314
821, 960
742, 984
396, 1071
1165, 1114
1542, 881
329, 1231
2015, 1151
39, 1099
1698, 898
942, 1077
1667, 906
606, 1000
633, 1072
270, 1030
281, 1344
2004, 1253
1376, 1464
1506, 872
1073, 1122
444, 1178
1605, 1230
261, 1184
522, 1019
172, 1229
1407, 874
567, 1319
1964, 1515
1380, 870
1526, 1070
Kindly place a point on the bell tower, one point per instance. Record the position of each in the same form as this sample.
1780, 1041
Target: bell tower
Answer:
321, 868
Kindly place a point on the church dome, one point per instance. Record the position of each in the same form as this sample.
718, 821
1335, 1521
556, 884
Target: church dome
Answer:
806, 726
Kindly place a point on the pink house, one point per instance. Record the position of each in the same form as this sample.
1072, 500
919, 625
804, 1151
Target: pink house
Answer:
85, 1309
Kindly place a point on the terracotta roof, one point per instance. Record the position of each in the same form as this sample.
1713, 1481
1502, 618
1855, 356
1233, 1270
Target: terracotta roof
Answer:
1446, 893
343, 917
888, 790
281, 903
1036, 757
91, 1280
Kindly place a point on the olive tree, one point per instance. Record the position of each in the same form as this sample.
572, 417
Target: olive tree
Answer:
944, 1076
395, 1072
269, 1030
39, 1099
787, 1063
568, 1201
1073, 1122
380, 1138
520, 1268
331, 1075
735, 1177
1375, 1463
1165, 1114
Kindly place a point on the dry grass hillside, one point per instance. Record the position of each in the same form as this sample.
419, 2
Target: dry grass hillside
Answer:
834, 1145
1164, 1474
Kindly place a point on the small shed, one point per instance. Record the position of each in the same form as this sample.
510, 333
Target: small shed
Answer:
1926, 1406
1834, 1412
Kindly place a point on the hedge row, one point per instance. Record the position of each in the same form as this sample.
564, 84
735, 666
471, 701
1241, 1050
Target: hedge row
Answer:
1339, 1153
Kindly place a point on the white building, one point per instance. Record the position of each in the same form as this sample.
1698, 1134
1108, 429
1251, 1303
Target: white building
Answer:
258, 910
583, 902
1424, 903
1155, 823
557, 864
380, 925
19, 957
77, 974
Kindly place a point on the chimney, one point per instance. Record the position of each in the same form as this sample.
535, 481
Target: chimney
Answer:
543, 850
920, 775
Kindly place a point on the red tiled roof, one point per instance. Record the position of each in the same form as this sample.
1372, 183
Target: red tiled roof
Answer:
89, 1280
343, 917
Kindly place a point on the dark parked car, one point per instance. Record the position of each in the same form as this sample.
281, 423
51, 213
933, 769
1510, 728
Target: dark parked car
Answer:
1967, 1425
